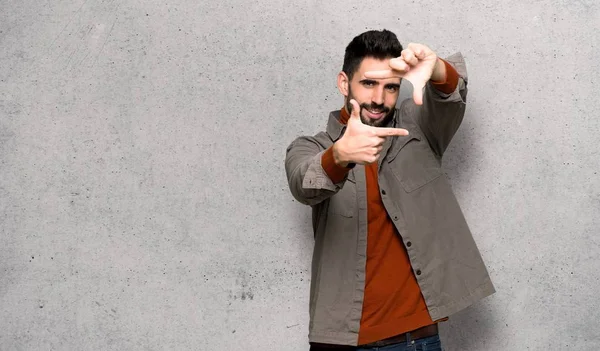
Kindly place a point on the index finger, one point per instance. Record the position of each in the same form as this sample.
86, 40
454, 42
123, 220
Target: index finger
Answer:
417, 49
388, 132
398, 69
384, 74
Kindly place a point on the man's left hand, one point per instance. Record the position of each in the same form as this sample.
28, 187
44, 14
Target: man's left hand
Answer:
417, 64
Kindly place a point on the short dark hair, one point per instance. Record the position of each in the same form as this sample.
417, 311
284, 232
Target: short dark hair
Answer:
377, 44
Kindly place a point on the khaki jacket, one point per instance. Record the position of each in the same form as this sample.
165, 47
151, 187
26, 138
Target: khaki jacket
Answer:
418, 199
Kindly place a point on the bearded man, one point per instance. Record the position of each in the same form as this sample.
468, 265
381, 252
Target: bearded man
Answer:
393, 254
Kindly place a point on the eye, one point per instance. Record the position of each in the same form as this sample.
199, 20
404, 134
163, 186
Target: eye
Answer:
392, 88
368, 83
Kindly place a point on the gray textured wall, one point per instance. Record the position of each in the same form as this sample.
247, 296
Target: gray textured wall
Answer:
143, 202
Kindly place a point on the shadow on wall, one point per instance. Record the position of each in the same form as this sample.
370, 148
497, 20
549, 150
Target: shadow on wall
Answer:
469, 330
459, 159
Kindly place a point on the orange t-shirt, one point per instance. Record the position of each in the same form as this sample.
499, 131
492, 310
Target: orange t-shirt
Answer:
393, 303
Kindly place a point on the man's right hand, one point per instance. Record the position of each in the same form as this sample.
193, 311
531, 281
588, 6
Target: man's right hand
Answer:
361, 144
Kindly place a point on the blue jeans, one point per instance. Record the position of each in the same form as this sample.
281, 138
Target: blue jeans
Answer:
431, 343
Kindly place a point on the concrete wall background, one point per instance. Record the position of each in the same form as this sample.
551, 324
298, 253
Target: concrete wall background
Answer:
143, 202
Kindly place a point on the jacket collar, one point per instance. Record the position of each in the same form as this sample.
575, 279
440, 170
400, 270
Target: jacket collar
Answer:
335, 128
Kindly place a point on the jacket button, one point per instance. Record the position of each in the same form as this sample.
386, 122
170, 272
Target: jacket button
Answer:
395, 218
418, 272
408, 244
383, 192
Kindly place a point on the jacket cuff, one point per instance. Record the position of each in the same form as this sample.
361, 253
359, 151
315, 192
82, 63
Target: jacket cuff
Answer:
449, 85
315, 176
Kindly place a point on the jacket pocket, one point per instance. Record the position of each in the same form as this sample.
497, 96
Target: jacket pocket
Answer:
415, 164
344, 202
399, 144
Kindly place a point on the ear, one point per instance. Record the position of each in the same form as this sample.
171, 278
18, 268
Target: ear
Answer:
342, 83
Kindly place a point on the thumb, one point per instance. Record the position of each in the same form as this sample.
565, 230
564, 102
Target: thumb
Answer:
355, 114
418, 93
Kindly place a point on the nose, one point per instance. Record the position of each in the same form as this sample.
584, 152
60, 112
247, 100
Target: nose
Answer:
377, 97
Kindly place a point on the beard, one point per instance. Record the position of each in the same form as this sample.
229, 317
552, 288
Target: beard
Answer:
388, 111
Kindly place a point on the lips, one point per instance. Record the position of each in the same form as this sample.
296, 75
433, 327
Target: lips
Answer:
374, 114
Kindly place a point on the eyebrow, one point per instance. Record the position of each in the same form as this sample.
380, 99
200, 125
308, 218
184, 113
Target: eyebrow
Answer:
374, 81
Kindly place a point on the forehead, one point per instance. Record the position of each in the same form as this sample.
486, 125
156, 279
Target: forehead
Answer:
373, 64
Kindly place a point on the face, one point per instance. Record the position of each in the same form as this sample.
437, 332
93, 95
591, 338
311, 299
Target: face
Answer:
376, 97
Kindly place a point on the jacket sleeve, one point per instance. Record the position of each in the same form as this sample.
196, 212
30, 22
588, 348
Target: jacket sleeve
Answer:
441, 114
308, 181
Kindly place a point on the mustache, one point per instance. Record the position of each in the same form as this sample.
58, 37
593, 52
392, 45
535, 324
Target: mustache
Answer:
375, 107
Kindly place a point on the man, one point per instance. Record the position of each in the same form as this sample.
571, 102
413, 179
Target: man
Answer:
393, 253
